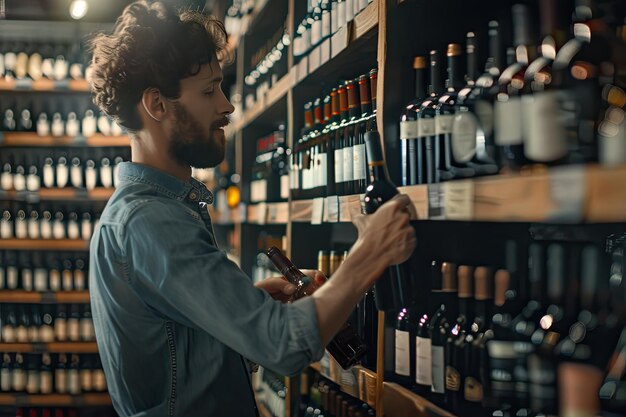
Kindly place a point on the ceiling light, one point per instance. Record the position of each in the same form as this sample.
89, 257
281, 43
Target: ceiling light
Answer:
78, 9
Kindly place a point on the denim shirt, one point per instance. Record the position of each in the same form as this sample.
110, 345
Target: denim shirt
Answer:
174, 317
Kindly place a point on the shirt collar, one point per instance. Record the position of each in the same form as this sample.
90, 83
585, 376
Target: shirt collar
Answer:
164, 183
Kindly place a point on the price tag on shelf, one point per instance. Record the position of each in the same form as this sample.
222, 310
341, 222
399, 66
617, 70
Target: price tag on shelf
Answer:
567, 191
331, 208
325, 52
318, 211
458, 200
436, 208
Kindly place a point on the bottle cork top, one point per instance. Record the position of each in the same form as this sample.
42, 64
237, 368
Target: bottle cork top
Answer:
419, 62
465, 274
483, 278
502, 280
448, 271
454, 49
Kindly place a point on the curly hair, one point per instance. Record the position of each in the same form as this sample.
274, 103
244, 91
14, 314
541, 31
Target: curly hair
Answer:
151, 46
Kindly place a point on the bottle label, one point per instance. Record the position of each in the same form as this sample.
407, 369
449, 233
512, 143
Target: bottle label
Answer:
22, 334
46, 229
464, 132
73, 327
8, 334
6, 181
5, 380
76, 175
86, 380
12, 277
359, 167
338, 166
322, 170
58, 231
612, 143
74, 382
544, 134
33, 334
90, 178
46, 334
33, 228
453, 379
73, 231
439, 385
341, 15
19, 182
325, 24
425, 128
348, 164
409, 129
62, 176
284, 186
33, 182
87, 330
484, 112
349, 10
403, 366
21, 231
60, 330
99, 381
423, 361
334, 19
443, 124
473, 390
27, 279
45, 379
67, 280
6, 229
32, 386
508, 122
85, 229
48, 176
60, 381
106, 177
55, 280
19, 380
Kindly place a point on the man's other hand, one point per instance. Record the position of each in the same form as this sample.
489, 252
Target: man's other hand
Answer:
280, 289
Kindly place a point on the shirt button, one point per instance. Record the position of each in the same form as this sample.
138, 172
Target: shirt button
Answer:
193, 196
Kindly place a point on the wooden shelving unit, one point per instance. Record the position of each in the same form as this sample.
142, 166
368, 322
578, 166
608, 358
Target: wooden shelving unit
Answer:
55, 400
40, 244
59, 347
64, 194
66, 297
358, 381
32, 139
44, 85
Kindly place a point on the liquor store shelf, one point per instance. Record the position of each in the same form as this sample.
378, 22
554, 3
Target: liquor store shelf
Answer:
400, 401
65, 297
358, 381
561, 195
263, 411
32, 139
71, 347
260, 213
42, 244
70, 193
45, 85
55, 400
319, 61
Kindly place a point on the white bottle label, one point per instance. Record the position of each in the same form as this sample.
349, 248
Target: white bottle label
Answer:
48, 176
86, 330
43, 127
348, 164
359, 167
86, 380
27, 279
426, 128
8, 334
284, 186
349, 10
33, 334
484, 112
89, 126
464, 131
334, 18
21, 231
62, 175
45, 380
612, 142
403, 366
86, 230
106, 177
33, 228
325, 24
19, 182
79, 280
76, 175
6, 181
6, 229
438, 370
443, 124
508, 122
46, 229
323, 170
19, 380
409, 129
58, 230
33, 182
46, 334
73, 231
60, 330
41, 279
316, 32
12, 277
338, 165
60, 381
57, 127
99, 381
55, 280
68, 280
32, 385
5, 380
544, 135
73, 329
423, 361
22, 334
341, 14
90, 178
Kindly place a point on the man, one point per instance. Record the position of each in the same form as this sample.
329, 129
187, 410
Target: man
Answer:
174, 317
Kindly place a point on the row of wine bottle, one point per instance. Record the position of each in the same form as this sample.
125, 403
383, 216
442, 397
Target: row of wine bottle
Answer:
323, 398
270, 176
329, 158
31, 169
271, 391
63, 373
46, 323
35, 62
32, 221
515, 342
43, 271
56, 124
560, 106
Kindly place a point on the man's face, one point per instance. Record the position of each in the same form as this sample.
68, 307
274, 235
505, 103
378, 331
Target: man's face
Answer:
197, 135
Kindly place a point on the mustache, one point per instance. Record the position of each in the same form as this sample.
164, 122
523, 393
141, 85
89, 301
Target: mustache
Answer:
225, 121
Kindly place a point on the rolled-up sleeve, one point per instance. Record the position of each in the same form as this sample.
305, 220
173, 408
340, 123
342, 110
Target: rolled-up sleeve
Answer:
177, 271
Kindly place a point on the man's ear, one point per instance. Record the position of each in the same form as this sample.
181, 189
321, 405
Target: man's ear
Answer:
153, 103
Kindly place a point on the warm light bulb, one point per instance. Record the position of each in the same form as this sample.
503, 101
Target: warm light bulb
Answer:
78, 9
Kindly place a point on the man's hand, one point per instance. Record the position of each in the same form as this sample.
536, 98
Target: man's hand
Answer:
280, 289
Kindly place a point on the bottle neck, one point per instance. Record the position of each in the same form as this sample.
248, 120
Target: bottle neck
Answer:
420, 91
378, 171
495, 45
436, 87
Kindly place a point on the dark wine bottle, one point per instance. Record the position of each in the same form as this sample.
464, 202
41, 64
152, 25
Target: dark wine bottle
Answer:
409, 127
345, 347
391, 291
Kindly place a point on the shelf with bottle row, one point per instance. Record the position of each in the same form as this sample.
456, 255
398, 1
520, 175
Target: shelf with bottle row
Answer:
32, 297
45, 244
339, 51
259, 213
57, 347
569, 194
32, 139
400, 401
65, 194
55, 400
357, 381
44, 85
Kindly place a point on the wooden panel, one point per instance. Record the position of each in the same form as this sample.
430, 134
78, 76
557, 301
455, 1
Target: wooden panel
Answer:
70, 297
301, 211
365, 21
32, 139
349, 206
278, 213
45, 84
400, 402
69, 347
55, 400
419, 198
605, 195
37, 244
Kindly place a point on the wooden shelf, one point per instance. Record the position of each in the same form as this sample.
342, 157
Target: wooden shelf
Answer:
570, 194
57, 347
401, 402
41, 244
32, 139
263, 411
55, 400
358, 381
70, 193
45, 85
66, 297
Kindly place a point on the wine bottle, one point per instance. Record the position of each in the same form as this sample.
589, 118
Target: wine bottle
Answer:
403, 348
409, 126
391, 291
345, 347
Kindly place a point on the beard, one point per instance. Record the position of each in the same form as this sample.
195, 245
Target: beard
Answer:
188, 144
